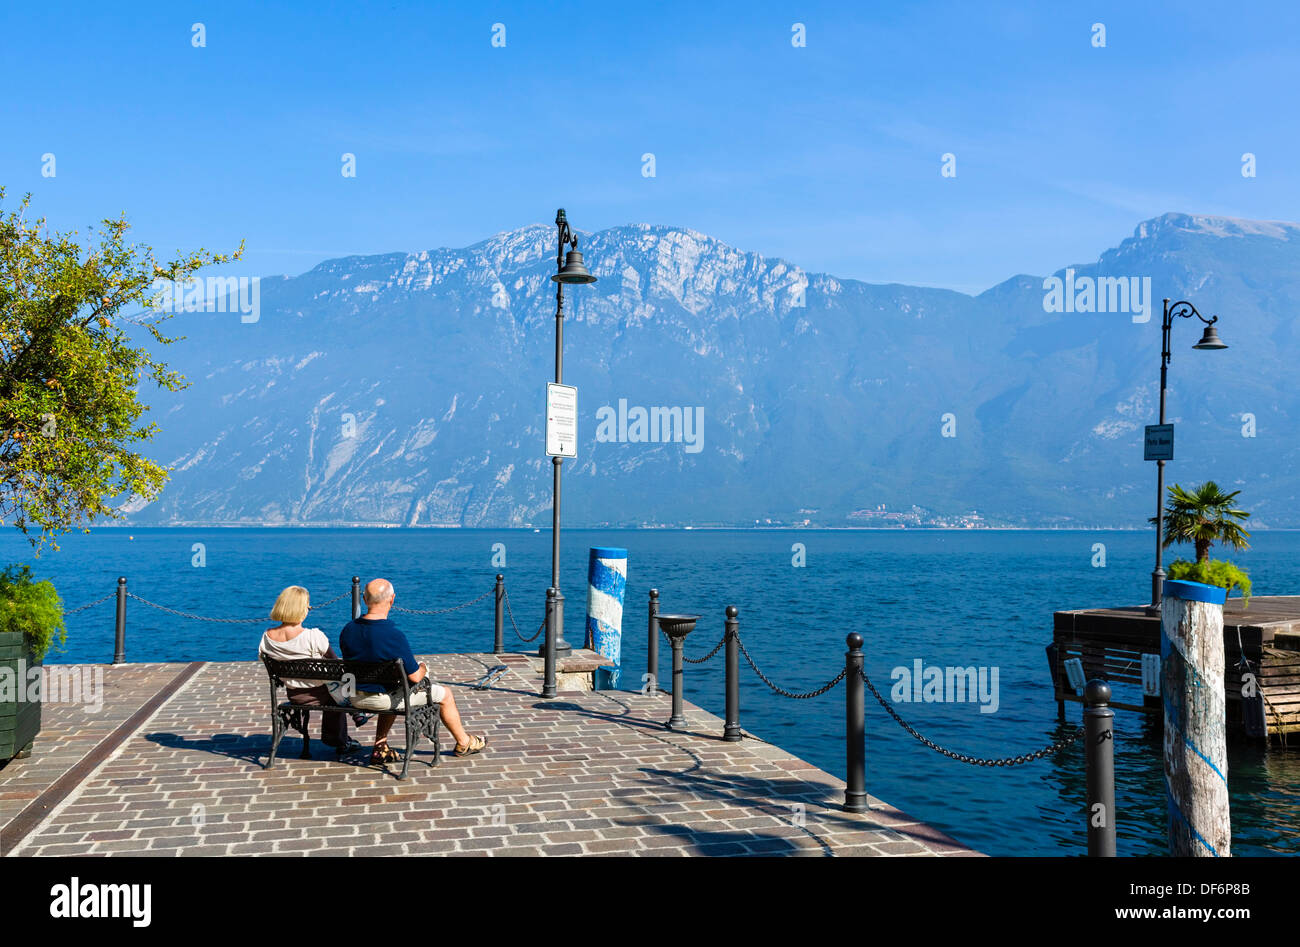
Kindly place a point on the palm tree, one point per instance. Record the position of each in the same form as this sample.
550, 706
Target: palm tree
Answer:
1204, 516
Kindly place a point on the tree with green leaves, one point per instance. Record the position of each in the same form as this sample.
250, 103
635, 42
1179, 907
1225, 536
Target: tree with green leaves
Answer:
1203, 516
71, 365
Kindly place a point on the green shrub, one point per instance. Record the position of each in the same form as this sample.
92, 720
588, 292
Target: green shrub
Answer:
1218, 572
32, 608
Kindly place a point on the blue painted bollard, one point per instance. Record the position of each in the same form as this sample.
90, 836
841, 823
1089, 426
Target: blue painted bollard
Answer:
606, 584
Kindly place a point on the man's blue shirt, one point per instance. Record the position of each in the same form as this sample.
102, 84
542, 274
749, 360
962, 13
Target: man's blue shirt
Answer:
375, 639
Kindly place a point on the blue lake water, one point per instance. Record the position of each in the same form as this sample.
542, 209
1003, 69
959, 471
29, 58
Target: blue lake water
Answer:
982, 598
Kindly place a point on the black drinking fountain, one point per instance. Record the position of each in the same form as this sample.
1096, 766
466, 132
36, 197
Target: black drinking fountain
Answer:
677, 627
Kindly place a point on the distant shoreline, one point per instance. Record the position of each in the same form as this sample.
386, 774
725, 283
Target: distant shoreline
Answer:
680, 529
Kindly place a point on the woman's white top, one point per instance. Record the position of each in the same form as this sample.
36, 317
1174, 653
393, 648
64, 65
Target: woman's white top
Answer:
308, 643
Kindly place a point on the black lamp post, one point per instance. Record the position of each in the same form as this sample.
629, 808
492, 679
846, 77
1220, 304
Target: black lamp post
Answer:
1209, 340
569, 270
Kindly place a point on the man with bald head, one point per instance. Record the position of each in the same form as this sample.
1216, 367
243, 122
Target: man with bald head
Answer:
375, 637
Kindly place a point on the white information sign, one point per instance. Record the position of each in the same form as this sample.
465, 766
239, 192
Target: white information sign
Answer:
1159, 442
561, 421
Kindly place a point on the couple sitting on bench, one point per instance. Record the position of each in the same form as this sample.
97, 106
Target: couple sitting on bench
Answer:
372, 637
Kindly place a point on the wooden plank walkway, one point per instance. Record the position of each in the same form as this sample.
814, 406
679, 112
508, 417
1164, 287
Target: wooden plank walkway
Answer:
1111, 642
584, 774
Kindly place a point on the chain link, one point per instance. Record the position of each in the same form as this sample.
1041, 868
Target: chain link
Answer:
243, 621
505, 593
174, 611
715, 650
961, 757
785, 693
443, 611
82, 608
330, 602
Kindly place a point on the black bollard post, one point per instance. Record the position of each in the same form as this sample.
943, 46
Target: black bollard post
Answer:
678, 720
652, 646
499, 645
561, 646
548, 647
356, 597
1099, 752
119, 638
731, 731
855, 727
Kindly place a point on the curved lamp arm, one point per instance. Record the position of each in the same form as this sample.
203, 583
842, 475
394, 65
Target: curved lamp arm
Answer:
1182, 309
1186, 310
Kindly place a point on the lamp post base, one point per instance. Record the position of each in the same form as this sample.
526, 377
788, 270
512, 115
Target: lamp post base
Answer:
1157, 590
562, 647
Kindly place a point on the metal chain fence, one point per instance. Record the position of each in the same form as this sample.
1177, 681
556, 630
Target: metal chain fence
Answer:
443, 611
245, 621
951, 754
716, 649
191, 615
82, 608
330, 602
782, 691
961, 757
829, 685
511, 612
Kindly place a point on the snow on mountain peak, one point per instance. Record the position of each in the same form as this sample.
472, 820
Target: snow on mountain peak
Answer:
1216, 226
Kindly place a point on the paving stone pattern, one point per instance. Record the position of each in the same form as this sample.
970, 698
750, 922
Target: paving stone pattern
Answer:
584, 774
69, 732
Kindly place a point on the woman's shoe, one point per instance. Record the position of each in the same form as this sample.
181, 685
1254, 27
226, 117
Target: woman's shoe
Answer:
476, 745
383, 754
360, 719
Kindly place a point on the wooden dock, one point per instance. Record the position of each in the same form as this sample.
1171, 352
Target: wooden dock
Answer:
1111, 641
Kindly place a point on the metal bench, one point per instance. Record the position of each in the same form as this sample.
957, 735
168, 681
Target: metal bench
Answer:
390, 675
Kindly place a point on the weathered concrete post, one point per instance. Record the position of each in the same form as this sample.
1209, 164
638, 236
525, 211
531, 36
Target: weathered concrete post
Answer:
1196, 757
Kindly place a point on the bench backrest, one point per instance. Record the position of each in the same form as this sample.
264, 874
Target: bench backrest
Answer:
391, 675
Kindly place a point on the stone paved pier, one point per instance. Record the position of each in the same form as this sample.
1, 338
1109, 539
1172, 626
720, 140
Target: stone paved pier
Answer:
173, 765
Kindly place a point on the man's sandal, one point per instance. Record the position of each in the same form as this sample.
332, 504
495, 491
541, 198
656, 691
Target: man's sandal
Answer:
476, 744
382, 754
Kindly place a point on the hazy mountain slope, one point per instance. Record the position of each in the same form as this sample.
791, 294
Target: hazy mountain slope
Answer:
817, 393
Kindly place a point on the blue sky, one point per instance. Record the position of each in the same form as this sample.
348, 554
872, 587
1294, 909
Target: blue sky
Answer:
827, 155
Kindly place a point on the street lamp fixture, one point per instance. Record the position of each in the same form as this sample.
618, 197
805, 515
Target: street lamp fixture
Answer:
1209, 340
570, 271
1210, 337
574, 271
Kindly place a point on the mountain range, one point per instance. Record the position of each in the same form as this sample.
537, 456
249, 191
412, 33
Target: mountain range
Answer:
409, 388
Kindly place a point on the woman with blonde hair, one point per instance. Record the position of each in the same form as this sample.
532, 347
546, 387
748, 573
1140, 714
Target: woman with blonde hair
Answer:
290, 641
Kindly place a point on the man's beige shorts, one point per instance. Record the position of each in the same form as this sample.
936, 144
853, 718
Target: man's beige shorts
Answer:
381, 702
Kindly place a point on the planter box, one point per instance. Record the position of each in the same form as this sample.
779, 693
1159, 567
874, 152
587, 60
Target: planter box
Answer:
20, 720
